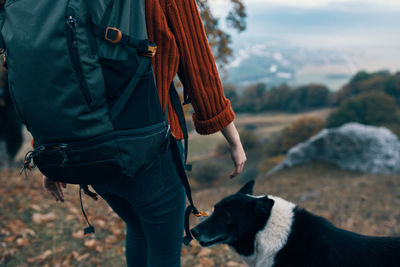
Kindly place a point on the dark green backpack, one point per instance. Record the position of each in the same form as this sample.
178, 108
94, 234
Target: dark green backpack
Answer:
84, 89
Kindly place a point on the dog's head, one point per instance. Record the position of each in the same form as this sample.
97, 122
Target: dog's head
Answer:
236, 219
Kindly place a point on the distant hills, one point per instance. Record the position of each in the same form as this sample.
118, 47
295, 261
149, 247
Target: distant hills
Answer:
316, 45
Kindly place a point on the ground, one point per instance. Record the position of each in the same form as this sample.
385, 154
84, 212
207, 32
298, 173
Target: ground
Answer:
35, 230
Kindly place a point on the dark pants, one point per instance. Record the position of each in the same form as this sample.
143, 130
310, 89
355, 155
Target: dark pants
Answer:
152, 205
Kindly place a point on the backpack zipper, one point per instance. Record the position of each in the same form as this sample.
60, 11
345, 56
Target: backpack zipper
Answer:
75, 58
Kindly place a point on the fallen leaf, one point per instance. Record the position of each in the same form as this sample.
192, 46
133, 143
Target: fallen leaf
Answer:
91, 243
99, 223
204, 252
78, 234
36, 207
10, 239
17, 226
43, 218
111, 239
70, 217
41, 257
116, 231
206, 262
99, 249
66, 261
74, 210
119, 251
21, 242
79, 257
232, 263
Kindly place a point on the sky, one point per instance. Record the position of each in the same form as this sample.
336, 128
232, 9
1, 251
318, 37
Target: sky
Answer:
345, 5
318, 22
366, 32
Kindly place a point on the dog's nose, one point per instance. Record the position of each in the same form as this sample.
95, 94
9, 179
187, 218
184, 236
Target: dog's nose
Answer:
195, 233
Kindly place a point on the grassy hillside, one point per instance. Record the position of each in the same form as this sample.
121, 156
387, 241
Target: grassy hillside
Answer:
203, 146
35, 230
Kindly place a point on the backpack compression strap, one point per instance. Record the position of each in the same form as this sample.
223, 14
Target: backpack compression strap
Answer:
144, 47
115, 36
181, 167
176, 104
121, 102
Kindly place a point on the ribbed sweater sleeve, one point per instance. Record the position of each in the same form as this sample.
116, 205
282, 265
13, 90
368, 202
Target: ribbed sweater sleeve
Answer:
197, 69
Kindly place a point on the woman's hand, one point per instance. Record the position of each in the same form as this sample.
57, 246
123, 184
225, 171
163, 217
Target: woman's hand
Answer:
235, 148
54, 188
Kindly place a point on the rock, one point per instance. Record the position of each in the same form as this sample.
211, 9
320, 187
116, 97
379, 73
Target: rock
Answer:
353, 146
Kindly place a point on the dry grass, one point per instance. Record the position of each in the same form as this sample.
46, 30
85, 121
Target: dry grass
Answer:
203, 147
366, 204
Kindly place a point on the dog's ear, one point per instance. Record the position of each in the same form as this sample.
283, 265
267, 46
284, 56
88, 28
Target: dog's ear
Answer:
264, 206
247, 188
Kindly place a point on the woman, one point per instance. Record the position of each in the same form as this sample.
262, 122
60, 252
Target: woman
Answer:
152, 205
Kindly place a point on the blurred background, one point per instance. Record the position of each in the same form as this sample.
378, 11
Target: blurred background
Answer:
316, 90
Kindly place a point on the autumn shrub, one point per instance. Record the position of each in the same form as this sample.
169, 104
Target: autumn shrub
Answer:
370, 108
251, 99
298, 132
308, 97
362, 82
295, 99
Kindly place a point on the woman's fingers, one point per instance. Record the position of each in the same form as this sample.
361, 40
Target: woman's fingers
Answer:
239, 158
54, 188
54, 194
238, 170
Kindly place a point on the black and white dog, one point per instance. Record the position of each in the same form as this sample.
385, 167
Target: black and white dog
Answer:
269, 231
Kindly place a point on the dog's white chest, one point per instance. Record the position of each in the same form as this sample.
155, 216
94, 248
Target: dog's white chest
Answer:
273, 237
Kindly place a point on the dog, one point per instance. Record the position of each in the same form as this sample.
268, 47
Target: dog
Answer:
268, 231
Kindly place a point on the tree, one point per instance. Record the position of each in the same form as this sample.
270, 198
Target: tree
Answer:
251, 99
277, 98
381, 81
219, 40
371, 108
231, 94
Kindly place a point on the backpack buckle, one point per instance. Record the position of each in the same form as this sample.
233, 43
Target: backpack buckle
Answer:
113, 35
151, 50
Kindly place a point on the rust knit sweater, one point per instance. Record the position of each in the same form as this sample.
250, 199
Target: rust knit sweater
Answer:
177, 29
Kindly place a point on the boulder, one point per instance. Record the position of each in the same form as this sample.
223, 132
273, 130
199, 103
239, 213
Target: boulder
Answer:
353, 146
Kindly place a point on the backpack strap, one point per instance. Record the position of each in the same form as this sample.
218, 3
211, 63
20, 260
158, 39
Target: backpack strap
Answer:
191, 209
121, 102
180, 165
115, 36
176, 104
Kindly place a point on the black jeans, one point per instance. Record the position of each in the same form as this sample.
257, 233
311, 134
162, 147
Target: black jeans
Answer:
152, 204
